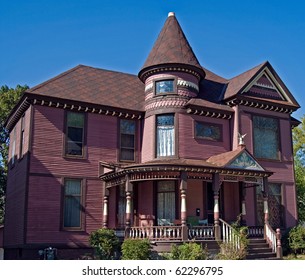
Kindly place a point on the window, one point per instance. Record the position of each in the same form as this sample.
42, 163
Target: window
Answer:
164, 86
13, 143
121, 207
266, 137
72, 203
166, 202
165, 135
275, 208
22, 137
127, 140
75, 134
208, 131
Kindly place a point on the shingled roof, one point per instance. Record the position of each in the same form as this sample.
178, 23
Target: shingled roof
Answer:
97, 86
172, 48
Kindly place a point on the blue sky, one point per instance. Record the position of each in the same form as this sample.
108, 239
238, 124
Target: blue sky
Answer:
42, 38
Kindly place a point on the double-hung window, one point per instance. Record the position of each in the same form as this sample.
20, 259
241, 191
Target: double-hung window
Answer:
127, 140
75, 134
72, 204
266, 137
165, 130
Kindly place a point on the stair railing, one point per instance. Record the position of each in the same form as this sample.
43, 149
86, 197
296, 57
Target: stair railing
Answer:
274, 239
229, 234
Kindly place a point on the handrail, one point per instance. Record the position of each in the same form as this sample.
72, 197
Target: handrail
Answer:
229, 235
274, 239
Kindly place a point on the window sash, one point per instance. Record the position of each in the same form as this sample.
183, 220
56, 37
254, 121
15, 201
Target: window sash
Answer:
72, 204
75, 134
164, 86
266, 137
127, 140
165, 135
166, 202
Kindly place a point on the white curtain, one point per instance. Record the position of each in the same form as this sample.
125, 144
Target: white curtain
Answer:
166, 141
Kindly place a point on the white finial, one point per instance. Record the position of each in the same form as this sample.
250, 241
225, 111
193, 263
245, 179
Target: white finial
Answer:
171, 14
241, 139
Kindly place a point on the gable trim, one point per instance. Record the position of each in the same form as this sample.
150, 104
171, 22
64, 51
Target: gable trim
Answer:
266, 71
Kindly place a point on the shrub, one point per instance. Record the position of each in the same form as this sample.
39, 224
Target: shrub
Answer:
228, 251
297, 239
136, 249
187, 251
105, 243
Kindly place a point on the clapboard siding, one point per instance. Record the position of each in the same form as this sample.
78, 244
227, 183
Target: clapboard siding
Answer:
45, 210
191, 147
16, 189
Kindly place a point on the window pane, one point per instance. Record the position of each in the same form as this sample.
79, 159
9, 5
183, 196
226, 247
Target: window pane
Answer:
165, 120
127, 154
265, 137
74, 148
165, 86
166, 205
127, 126
72, 212
72, 203
166, 186
127, 141
75, 119
75, 134
207, 131
73, 187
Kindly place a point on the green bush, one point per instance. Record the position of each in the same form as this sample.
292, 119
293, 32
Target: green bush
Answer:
297, 239
228, 251
136, 249
105, 243
187, 251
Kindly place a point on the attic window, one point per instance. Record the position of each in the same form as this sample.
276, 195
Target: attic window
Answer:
164, 86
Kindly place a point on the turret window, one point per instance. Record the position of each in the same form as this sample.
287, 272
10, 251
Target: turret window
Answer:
165, 135
164, 86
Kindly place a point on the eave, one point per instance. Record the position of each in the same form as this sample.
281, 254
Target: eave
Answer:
68, 104
262, 103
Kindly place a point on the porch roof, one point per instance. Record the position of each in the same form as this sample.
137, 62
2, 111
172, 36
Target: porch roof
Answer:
173, 167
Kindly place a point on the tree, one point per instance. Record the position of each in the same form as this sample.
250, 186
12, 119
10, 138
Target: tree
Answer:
8, 99
299, 165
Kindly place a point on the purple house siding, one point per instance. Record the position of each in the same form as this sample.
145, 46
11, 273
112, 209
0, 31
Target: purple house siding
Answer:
191, 147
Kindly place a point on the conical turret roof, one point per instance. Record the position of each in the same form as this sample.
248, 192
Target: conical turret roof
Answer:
171, 49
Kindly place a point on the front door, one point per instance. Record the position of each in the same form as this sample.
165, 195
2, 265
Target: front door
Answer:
166, 202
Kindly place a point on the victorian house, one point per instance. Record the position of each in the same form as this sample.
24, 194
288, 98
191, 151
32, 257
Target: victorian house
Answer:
171, 154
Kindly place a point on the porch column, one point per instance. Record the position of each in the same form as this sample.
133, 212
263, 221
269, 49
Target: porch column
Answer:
216, 187
105, 208
243, 204
265, 198
183, 210
128, 190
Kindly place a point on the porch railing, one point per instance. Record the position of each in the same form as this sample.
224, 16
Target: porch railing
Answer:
274, 239
201, 232
155, 233
255, 231
229, 235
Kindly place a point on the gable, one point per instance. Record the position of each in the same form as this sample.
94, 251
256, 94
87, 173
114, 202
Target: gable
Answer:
245, 161
266, 85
